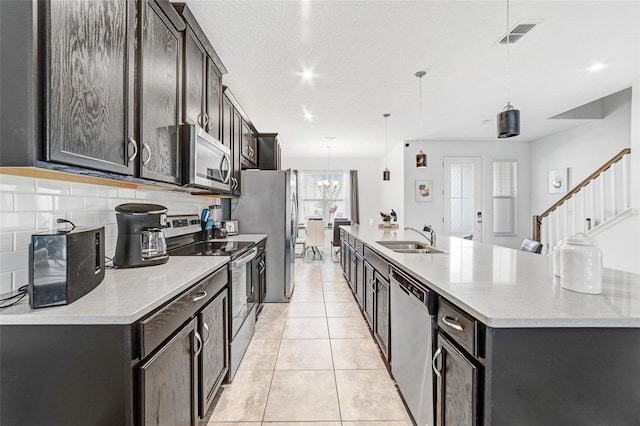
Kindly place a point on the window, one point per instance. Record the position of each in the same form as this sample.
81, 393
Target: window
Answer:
504, 197
324, 194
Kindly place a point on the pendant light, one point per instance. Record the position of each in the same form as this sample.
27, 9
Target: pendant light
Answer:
421, 157
386, 174
509, 117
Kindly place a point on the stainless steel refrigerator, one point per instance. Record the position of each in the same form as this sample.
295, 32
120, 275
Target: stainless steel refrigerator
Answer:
269, 205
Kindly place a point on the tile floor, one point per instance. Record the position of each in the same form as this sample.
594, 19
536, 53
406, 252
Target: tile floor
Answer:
312, 362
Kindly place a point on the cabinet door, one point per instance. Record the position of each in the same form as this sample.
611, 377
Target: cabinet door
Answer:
237, 149
160, 96
214, 99
382, 314
227, 124
369, 293
457, 386
214, 359
246, 140
194, 83
89, 77
360, 281
353, 265
167, 382
253, 148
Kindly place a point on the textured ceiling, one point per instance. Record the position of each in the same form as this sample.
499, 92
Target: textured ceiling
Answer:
364, 55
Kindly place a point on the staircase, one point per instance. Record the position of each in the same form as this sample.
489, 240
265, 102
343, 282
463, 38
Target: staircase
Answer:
599, 201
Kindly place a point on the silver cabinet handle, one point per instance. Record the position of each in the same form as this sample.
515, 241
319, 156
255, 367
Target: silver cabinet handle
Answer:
235, 183
146, 147
206, 327
433, 362
199, 344
206, 120
251, 152
451, 322
134, 144
199, 296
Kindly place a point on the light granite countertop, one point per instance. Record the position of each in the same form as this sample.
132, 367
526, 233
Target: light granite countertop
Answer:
124, 296
507, 288
254, 238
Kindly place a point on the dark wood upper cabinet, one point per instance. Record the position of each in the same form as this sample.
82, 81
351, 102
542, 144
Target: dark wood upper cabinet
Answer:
269, 151
227, 123
160, 98
89, 83
203, 72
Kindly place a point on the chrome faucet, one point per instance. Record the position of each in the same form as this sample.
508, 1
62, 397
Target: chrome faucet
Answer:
432, 233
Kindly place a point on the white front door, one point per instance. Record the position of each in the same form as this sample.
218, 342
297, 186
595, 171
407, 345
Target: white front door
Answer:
462, 196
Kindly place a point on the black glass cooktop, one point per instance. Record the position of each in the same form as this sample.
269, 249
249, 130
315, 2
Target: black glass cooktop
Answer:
212, 248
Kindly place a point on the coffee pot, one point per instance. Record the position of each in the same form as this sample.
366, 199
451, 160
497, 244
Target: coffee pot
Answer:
141, 240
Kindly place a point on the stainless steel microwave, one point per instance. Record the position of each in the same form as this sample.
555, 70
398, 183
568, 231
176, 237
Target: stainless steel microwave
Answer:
207, 162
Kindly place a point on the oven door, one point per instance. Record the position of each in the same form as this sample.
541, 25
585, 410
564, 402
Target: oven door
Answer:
242, 303
207, 161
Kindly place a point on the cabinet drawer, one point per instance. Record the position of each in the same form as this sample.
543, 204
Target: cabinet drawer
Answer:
462, 328
352, 239
377, 261
359, 247
163, 323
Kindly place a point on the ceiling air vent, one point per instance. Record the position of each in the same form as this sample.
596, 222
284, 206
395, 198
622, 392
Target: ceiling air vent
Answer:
518, 31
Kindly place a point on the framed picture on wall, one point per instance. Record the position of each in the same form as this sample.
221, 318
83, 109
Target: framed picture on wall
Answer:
424, 190
558, 181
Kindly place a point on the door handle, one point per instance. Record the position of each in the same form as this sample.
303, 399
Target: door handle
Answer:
433, 362
134, 144
451, 322
206, 327
199, 344
146, 147
200, 295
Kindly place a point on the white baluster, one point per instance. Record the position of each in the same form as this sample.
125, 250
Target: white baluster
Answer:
612, 187
601, 199
626, 177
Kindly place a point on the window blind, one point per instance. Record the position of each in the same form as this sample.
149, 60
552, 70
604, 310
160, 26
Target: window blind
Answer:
504, 197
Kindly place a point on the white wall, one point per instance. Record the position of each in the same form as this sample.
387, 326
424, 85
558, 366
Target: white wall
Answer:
419, 214
582, 149
368, 173
29, 205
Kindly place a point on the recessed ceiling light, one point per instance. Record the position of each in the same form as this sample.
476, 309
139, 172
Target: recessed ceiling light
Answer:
307, 115
307, 74
596, 67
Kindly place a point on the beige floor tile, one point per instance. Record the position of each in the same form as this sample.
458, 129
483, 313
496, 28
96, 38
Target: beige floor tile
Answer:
260, 355
305, 328
274, 309
356, 354
368, 395
307, 295
244, 399
234, 424
335, 285
343, 309
302, 396
338, 296
307, 310
269, 327
348, 328
304, 354
385, 423
301, 423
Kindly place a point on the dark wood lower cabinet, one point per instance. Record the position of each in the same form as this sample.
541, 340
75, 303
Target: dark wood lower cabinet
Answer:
369, 293
457, 386
360, 280
214, 358
168, 380
381, 327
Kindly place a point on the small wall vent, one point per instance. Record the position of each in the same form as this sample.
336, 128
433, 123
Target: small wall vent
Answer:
518, 31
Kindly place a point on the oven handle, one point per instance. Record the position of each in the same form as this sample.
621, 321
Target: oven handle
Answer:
244, 259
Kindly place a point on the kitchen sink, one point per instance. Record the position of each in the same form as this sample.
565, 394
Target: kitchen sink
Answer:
408, 247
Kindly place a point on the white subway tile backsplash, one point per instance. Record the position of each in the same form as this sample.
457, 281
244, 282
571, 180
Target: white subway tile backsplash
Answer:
6, 282
68, 203
47, 186
106, 217
23, 239
126, 193
16, 183
84, 189
80, 218
6, 242
13, 221
107, 192
142, 195
33, 202
44, 221
20, 278
110, 246
111, 230
112, 203
6, 201
14, 260
95, 204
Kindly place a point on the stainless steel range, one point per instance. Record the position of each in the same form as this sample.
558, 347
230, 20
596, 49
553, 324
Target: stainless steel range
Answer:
186, 238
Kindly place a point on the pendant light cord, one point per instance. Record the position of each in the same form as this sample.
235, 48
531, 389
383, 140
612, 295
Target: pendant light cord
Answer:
386, 142
420, 102
508, 56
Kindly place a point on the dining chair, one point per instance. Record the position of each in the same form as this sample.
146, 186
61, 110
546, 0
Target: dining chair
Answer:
315, 239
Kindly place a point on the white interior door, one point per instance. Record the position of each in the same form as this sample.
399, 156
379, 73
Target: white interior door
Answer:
462, 196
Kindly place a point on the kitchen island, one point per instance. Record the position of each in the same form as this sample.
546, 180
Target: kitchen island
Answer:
512, 346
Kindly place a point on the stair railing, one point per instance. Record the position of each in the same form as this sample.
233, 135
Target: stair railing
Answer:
599, 204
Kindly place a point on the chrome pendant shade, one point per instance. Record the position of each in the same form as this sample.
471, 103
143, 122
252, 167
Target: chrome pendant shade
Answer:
386, 175
508, 122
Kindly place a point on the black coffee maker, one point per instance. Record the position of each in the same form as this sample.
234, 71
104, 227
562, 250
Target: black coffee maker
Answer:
141, 240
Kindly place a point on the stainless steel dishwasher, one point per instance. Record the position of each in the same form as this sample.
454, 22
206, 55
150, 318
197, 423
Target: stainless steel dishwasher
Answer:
413, 309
